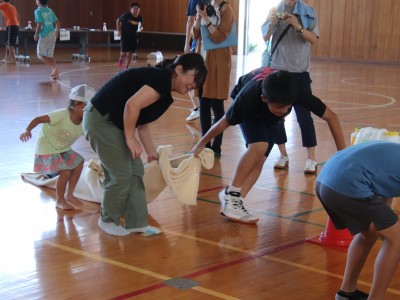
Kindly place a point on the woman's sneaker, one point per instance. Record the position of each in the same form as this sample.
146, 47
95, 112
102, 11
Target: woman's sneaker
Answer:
282, 162
232, 207
195, 114
311, 167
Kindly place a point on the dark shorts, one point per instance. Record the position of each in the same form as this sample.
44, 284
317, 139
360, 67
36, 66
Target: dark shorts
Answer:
191, 9
129, 44
353, 213
255, 131
11, 35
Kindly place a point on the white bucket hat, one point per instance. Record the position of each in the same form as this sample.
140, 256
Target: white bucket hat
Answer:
82, 93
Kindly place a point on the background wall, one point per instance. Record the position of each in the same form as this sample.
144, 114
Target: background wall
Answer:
358, 30
350, 30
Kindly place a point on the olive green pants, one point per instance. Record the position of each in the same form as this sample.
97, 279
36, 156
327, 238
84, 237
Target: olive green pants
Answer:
124, 194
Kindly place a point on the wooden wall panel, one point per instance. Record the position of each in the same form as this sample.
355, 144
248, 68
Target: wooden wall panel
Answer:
358, 30
350, 30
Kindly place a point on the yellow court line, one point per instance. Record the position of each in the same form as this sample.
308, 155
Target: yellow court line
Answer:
133, 268
107, 260
218, 244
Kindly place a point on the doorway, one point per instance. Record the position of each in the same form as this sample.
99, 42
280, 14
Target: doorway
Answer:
252, 13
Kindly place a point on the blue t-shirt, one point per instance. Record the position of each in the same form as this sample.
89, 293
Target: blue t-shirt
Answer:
364, 170
47, 17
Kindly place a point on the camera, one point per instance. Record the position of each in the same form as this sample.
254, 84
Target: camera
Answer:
209, 8
281, 15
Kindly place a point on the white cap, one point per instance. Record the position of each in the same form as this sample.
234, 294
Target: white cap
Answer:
82, 93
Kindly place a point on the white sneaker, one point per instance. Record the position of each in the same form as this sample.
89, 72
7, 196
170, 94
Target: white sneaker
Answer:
195, 114
311, 167
112, 229
232, 208
282, 162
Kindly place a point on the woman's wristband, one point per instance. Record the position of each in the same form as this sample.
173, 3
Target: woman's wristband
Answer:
209, 24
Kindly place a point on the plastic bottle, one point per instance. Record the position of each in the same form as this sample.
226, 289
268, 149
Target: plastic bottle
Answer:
104, 26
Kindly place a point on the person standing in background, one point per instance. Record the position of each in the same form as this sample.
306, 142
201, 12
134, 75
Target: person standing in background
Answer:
191, 47
11, 18
191, 14
293, 54
128, 25
219, 64
47, 31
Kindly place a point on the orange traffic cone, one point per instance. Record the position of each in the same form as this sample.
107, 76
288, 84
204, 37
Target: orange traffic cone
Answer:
333, 238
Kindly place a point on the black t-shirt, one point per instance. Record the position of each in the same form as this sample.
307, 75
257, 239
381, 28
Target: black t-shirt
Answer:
247, 101
113, 95
129, 23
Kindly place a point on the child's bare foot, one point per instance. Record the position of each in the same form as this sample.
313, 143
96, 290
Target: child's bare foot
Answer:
54, 74
62, 204
74, 201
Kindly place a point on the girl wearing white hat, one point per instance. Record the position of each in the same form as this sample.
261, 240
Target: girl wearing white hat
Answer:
54, 155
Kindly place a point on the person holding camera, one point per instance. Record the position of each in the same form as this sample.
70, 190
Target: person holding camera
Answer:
218, 63
295, 24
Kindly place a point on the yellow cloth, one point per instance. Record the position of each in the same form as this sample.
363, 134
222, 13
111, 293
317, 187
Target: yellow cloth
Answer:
180, 174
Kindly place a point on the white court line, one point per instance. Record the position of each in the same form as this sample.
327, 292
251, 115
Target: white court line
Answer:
347, 81
391, 102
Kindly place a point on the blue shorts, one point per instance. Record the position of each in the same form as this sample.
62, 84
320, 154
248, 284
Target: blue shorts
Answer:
191, 9
254, 131
355, 214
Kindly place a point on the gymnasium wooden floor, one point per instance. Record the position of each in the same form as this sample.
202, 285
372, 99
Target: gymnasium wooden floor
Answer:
50, 254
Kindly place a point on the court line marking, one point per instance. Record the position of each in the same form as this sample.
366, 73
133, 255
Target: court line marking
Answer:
132, 268
211, 269
391, 102
209, 242
348, 81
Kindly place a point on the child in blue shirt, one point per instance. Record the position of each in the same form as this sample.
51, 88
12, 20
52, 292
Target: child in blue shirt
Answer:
47, 31
356, 187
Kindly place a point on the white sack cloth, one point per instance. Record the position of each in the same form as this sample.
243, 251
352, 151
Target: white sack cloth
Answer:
89, 186
180, 174
367, 134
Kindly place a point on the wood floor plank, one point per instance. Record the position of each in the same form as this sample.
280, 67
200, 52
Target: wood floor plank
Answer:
50, 254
